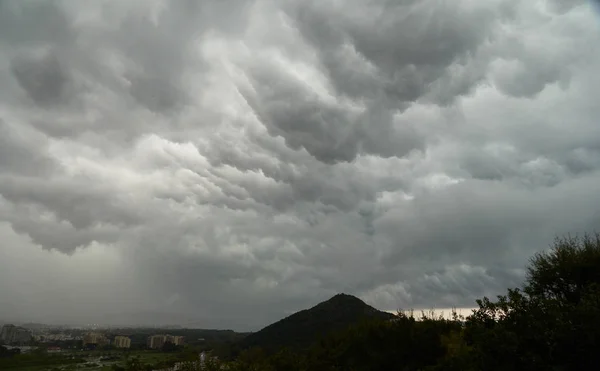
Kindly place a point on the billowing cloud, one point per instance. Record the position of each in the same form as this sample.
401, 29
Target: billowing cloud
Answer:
224, 163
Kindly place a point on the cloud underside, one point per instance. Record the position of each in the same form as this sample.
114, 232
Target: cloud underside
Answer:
229, 162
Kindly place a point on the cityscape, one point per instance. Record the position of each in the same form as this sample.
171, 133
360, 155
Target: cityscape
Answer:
101, 348
23, 338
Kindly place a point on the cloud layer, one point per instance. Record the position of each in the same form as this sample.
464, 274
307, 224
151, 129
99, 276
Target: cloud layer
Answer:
224, 163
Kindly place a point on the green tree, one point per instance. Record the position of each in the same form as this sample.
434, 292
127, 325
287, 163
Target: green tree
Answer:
567, 272
552, 323
170, 347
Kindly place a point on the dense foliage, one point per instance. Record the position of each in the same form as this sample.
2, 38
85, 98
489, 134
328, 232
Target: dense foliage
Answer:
552, 323
11, 359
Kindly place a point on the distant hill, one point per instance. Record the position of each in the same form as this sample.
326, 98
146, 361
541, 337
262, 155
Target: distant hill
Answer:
303, 328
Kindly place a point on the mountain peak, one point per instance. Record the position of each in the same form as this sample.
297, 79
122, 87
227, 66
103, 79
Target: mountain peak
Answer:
343, 295
304, 327
346, 298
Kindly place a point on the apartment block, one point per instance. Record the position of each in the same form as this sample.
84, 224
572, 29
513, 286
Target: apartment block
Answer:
94, 338
122, 342
157, 341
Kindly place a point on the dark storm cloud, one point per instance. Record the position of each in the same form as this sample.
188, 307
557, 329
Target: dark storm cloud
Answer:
392, 51
381, 56
42, 77
82, 206
331, 132
155, 94
225, 163
54, 235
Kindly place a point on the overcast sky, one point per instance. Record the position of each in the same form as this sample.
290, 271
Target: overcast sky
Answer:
224, 163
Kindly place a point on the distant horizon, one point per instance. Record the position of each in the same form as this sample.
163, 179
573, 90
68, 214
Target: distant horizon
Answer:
444, 312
